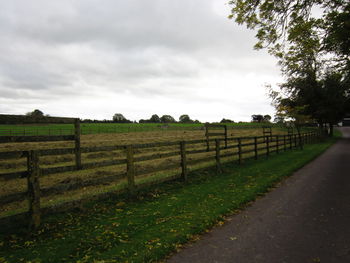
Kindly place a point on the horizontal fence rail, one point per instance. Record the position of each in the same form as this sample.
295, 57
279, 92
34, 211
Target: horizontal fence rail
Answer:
220, 150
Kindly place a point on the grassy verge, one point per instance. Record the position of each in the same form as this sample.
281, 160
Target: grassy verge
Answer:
156, 222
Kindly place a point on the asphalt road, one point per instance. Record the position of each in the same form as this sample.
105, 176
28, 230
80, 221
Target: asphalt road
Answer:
305, 219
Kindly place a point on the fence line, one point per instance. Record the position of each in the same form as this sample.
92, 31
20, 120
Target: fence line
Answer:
241, 147
50, 131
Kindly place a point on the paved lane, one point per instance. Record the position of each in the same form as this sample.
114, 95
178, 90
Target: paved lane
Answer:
306, 219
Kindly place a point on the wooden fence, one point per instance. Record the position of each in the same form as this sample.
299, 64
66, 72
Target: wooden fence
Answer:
220, 130
52, 131
21, 119
237, 150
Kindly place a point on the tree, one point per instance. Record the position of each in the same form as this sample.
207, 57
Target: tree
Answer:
35, 113
226, 121
280, 23
334, 103
167, 119
277, 22
185, 119
279, 120
154, 119
337, 39
267, 118
257, 118
324, 101
313, 53
119, 118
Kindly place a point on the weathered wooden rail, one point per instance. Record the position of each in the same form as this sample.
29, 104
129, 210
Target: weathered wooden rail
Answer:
224, 150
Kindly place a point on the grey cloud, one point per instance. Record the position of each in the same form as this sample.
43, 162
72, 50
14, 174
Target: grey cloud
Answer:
183, 25
140, 47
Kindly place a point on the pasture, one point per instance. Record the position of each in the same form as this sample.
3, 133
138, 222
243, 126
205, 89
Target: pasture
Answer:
106, 179
96, 128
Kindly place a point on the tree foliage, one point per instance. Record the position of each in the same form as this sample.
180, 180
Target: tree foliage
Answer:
167, 119
257, 118
154, 119
119, 118
279, 22
267, 118
226, 121
185, 119
261, 118
35, 113
311, 39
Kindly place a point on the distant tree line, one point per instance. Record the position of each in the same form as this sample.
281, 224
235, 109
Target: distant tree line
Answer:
169, 119
120, 118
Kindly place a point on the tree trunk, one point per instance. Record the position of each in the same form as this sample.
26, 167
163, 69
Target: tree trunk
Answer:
330, 130
297, 126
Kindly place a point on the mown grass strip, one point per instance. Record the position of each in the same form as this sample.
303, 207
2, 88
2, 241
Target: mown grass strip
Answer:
148, 227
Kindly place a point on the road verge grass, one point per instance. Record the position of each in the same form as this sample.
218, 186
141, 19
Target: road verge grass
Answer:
151, 225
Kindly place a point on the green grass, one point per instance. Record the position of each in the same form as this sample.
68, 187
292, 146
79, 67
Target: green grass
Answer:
93, 128
156, 222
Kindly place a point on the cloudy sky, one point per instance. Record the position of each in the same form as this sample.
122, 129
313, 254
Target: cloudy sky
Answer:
94, 58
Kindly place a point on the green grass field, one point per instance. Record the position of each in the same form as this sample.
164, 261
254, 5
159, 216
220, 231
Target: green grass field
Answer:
94, 128
156, 222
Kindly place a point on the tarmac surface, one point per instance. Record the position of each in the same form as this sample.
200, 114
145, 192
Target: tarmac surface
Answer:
305, 219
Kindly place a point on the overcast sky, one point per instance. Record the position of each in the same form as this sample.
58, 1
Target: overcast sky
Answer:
94, 58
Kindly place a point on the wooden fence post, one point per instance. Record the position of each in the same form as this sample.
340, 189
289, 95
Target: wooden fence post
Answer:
277, 143
300, 141
130, 168
290, 142
77, 144
207, 135
239, 150
225, 127
284, 143
295, 140
217, 155
305, 137
315, 137
33, 189
267, 146
255, 148
183, 161
310, 137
